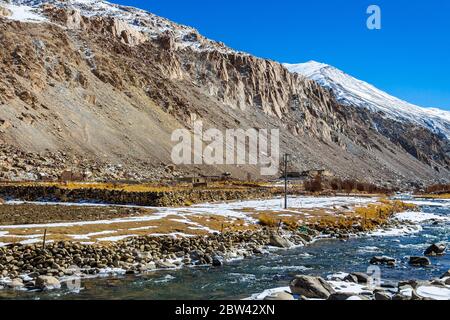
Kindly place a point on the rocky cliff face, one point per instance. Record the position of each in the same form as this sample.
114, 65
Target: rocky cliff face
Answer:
88, 90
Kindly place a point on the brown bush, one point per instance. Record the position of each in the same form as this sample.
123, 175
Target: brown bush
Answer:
314, 185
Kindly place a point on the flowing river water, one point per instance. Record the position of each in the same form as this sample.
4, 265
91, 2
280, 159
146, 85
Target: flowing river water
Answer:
242, 278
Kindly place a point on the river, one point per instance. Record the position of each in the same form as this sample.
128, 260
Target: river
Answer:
242, 278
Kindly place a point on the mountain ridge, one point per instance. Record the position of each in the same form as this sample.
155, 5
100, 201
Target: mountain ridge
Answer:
86, 91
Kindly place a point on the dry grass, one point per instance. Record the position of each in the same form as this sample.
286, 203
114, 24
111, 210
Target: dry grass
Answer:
436, 196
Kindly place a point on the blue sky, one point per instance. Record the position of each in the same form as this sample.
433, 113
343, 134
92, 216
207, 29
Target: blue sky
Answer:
409, 57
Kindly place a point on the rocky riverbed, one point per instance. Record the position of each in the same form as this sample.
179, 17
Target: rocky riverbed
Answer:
45, 267
37, 269
22, 266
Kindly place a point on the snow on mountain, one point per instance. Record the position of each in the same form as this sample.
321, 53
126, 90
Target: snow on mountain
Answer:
151, 25
351, 91
22, 13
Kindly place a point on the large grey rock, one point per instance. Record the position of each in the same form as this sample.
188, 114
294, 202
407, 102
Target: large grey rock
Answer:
361, 277
419, 261
311, 287
445, 275
351, 278
47, 283
217, 261
279, 241
435, 250
279, 296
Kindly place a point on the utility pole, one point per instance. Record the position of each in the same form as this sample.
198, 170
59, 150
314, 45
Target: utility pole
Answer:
286, 159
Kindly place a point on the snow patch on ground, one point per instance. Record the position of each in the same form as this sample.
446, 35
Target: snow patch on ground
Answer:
395, 232
419, 217
436, 293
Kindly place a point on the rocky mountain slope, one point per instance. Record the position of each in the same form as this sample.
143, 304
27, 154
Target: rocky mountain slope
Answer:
98, 88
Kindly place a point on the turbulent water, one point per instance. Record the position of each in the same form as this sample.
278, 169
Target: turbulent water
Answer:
241, 279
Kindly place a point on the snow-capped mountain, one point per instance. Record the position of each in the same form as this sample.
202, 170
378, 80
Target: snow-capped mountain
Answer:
351, 91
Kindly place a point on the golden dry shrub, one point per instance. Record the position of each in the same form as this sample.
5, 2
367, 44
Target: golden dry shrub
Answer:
267, 221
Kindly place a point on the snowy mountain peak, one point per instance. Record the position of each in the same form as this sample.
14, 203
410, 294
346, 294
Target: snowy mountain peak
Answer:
307, 69
351, 91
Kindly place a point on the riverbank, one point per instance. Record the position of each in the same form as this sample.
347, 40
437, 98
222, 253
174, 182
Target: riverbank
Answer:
28, 266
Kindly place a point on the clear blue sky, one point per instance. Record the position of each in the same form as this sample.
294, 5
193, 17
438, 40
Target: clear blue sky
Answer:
409, 57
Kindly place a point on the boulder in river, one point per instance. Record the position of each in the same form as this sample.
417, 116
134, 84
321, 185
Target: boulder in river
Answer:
381, 295
279, 241
279, 296
435, 249
340, 296
362, 278
377, 260
217, 261
419, 261
311, 287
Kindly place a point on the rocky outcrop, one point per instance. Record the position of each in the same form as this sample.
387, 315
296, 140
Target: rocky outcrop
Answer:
279, 241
